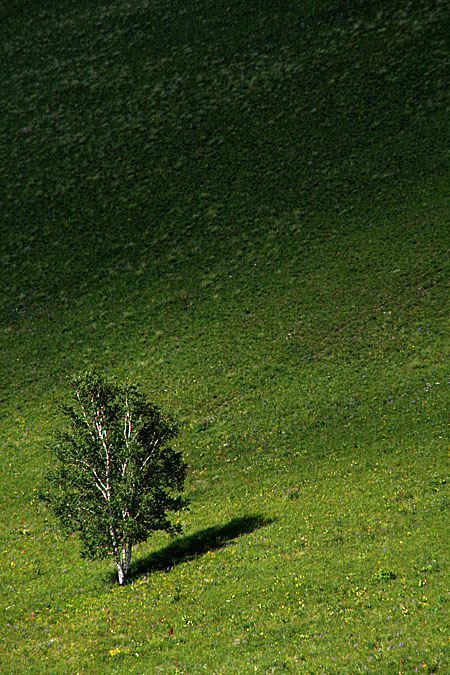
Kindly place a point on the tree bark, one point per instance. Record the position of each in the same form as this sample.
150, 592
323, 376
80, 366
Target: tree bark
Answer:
123, 560
120, 573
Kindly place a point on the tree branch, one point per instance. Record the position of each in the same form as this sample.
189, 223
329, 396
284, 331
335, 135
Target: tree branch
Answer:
86, 418
85, 466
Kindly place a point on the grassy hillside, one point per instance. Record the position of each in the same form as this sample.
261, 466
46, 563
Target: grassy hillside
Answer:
244, 207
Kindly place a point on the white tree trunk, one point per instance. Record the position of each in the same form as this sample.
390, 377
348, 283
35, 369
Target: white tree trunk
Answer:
120, 573
123, 560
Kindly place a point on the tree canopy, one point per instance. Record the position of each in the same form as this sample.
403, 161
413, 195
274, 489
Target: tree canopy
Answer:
115, 479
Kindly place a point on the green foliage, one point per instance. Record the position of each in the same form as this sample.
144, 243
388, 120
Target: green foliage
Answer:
115, 478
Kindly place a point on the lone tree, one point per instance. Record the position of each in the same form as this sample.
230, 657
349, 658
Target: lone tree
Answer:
115, 478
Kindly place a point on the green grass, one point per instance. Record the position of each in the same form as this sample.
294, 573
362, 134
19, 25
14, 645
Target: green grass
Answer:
243, 207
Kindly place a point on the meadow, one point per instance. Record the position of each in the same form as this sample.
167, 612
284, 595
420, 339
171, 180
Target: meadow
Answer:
244, 208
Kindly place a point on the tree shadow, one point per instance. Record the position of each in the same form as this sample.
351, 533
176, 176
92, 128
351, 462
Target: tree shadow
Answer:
197, 544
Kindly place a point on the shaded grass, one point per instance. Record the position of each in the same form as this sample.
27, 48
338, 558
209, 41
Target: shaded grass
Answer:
195, 545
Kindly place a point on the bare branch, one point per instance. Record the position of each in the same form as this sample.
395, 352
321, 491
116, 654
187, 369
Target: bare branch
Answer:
85, 416
85, 466
127, 425
104, 441
155, 445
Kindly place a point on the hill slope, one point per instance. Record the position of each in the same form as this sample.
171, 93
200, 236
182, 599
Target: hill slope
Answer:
243, 207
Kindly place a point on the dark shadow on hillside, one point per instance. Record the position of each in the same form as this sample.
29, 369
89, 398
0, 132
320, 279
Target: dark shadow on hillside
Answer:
195, 545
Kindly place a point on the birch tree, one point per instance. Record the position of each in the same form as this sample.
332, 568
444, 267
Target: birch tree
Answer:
114, 478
